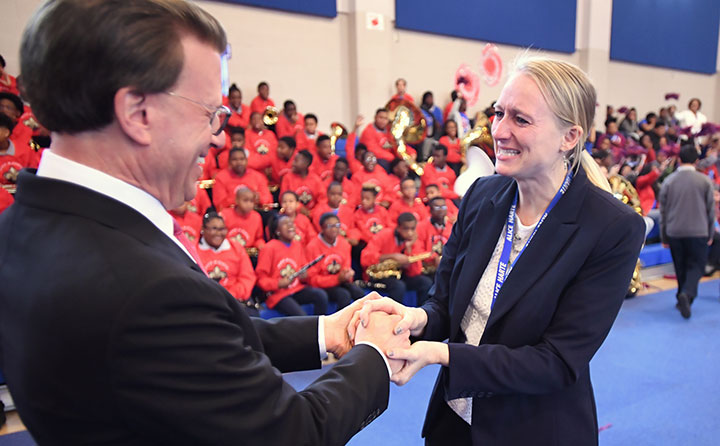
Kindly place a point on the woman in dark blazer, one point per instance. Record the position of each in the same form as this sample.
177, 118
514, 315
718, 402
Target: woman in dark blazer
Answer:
516, 367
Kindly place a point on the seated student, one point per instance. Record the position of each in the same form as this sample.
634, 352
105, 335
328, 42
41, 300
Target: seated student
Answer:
277, 264
240, 117
308, 186
189, 221
339, 175
13, 157
377, 139
433, 191
452, 142
617, 140
281, 163
401, 91
368, 220
398, 244
355, 159
399, 170
436, 230
289, 206
333, 273
259, 141
6, 199
217, 157
225, 261
8, 83
439, 173
375, 177
238, 174
307, 137
244, 223
290, 122
262, 101
12, 106
200, 202
324, 162
408, 202
334, 205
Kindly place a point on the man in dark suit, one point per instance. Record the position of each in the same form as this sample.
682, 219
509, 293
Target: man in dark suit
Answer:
109, 331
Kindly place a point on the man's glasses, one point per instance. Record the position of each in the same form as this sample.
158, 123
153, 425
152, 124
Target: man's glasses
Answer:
332, 225
218, 117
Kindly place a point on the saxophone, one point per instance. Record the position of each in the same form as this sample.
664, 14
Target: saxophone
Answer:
390, 268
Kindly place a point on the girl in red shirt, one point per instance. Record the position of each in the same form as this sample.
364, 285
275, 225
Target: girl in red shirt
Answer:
304, 230
452, 142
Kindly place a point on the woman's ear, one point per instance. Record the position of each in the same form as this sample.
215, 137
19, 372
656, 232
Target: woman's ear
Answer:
571, 138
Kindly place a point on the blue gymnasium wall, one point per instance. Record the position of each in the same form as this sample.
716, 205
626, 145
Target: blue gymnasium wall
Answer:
324, 8
680, 34
546, 24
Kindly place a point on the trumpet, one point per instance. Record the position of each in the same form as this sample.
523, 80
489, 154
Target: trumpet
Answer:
337, 131
271, 115
206, 184
390, 268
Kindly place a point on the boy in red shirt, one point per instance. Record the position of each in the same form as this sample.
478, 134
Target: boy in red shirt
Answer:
399, 170
398, 244
439, 173
369, 219
304, 230
435, 231
240, 117
262, 101
8, 83
200, 202
339, 175
13, 157
244, 223
308, 186
238, 174
333, 273
260, 142
377, 139
290, 122
189, 221
306, 138
433, 191
452, 142
334, 206
408, 203
374, 176
225, 261
324, 162
277, 263
217, 157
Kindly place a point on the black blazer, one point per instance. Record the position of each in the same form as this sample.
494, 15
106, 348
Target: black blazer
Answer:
111, 334
529, 376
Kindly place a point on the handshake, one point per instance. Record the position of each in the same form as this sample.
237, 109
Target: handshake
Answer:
387, 325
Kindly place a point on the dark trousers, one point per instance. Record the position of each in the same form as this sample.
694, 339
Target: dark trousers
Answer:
290, 305
689, 256
714, 254
355, 253
396, 288
344, 294
449, 430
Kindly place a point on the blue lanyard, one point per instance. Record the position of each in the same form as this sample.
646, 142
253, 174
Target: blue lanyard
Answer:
504, 265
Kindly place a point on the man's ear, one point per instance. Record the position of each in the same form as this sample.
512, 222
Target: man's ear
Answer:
571, 137
4, 133
132, 116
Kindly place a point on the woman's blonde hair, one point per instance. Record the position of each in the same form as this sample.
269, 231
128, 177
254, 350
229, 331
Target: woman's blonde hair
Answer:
572, 98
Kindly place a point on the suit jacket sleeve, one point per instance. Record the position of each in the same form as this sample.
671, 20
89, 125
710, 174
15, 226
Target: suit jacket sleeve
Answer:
187, 370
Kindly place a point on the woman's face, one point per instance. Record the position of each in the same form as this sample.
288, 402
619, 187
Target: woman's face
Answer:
528, 140
214, 232
632, 115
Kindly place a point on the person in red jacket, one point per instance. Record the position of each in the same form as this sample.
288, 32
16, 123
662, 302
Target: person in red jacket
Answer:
240, 117
200, 202
339, 175
334, 205
324, 162
262, 101
244, 223
368, 220
439, 173
13, 157
8, 83
290, 122
217, 157
190, 222
306, 138
6, 199
377, 139
355, 157
374, 176
225, 261
435, 231
238, 174
399, 170
308, 186
433, 191
398, 244
452, 142
260, 142
277, 264
401, 91
333, 273
281, 164
409, 202
304, 229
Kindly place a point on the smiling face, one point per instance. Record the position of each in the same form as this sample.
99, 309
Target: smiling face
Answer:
214, 232
528, 139
285, 229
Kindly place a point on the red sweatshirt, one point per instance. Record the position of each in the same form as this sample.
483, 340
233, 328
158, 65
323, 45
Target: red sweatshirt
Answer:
454, 151
244, 229
417, 208
241, 119
366, 225
353, 164
227, 182
278, 260
304, 141
191, 223
378, 142
444, 178
259, 105
377, 177
386, 243
230, 266
337, 258
349, 193
286, 128
17, 157
262, 142
323, 168
200, 203
308, 189
343, 212
433, 236
304, 229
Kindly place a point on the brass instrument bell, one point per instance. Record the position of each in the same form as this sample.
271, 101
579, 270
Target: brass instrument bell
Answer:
337, 131
271, 115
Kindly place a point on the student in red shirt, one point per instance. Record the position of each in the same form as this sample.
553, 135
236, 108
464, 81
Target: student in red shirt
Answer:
377, 139
352, 154
7, 83
401, 91
334, 205
225, 261
324, 162
244, 223
6, 199
368, 220
397, 244
217, 157
339, 175
280, 259
262, 101
260, 142
13, 157
306, 138
304, 229
308, 186
238, 174
200, 202
452, 142
399, 170
408, 202
373, 176
433, 191
355, 157
290, 122
190, 222
436, 230
333, 273
281, 164
439, 173
240, 112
